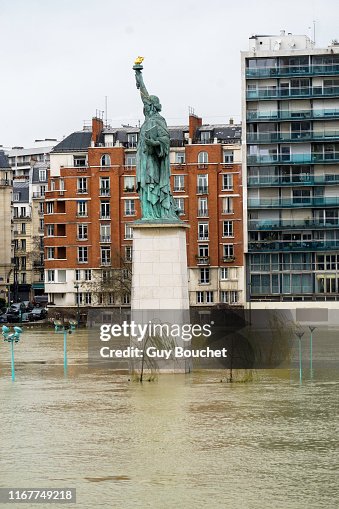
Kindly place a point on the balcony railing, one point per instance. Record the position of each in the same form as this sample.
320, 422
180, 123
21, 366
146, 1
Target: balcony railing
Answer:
293, 246
203, 260
202, 189
38, 195
230, 258
315, 158
178, 189
105, 191
105, 238
129, 189
105, 262
203, 237
82, 190
292, 92
293, 70
202, 212
302, 202
266, 116
303, 179
276, 137
292, 224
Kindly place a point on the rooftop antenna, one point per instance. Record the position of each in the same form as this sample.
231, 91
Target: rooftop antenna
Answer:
106, 110
314, 31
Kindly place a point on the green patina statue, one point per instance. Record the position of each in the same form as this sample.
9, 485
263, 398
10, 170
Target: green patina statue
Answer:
153, 163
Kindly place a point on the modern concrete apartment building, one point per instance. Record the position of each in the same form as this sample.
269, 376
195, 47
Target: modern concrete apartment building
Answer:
91, 201
291, 170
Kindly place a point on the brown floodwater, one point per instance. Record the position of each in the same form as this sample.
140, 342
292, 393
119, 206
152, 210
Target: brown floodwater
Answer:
183, 441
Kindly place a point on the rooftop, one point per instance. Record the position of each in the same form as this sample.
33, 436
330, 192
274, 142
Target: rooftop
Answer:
78, 141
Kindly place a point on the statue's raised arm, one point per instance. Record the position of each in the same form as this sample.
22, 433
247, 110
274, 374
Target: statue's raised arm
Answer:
139, 80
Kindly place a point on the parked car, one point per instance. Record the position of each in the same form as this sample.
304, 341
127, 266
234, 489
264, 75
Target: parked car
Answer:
37, 314
13, 315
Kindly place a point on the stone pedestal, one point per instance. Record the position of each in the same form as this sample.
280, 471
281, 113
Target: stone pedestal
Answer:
160, 285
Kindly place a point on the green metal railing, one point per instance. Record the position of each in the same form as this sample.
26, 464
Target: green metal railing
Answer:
276, 137
293, 70
291, 224
265, 116
302, 202
315, 158
303, 179
292, 92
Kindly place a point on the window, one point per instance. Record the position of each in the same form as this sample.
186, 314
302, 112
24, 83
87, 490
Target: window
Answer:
61, 276
200, 297
180, 157
22, 211
128, 231
50, 253
126, 298
82, 231
88, 275
42, 175
228, 156
53, 185
203, 250
228, 251
16, 196
49, 207
23, 228
132, 140
23, 262
77, 274
227, 229
202, 183
209, 297
23, 278
229, 297
202, 158
42, 191
105, 233
104, 186
179, 183
126, 274
50, 276
224, 273
129, 184
50, 230
61, 184
105, 255
16, 212
128, 253
104, 210
82, 185
41, 207
204, 276
180, 204
205, 137
87, 298
203, 231
105, 160
23, 244
227, 182
82, 208
79, 161
83, 254
227, 205
129, 208
202, 207
130, 161
111, 298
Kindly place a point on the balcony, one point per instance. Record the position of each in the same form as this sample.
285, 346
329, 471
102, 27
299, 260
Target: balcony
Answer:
319, 201
303, 179
319, 245
266, 116
82, 190
5, 183
179, 189
203, 237
202, 189
203, 260
315, 158
38, 195
267, 93
202, 212
293, 70
302, 136
105, 238
227, 259
105, 191
129, 189
291, 224
105, 263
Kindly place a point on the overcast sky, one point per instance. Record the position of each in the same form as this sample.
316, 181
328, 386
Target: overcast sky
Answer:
60, 58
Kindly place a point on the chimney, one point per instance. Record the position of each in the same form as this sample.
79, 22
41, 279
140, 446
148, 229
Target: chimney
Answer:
282, 33
194, 123
97, 127
231, 121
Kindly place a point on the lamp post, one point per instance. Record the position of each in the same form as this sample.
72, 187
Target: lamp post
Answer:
312, 329
11, 338
300, 334
76, 286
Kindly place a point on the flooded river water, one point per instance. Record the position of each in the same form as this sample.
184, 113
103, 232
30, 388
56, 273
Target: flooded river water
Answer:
183, 441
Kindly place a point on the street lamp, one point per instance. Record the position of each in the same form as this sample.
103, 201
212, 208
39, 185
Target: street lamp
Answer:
312, 329
76, 286
300, 334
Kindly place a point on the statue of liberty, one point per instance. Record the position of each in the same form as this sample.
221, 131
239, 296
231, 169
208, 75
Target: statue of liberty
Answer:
153, 163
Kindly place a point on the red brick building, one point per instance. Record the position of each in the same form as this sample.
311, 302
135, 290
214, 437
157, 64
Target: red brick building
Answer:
91, 201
